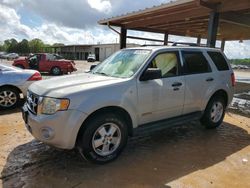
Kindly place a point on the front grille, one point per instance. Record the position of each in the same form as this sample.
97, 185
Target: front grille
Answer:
32, 101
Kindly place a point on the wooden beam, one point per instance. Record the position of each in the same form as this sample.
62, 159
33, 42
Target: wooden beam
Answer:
167, 6
212, 6
187, 26
236, 18
158, 12
229, 5
185, 14
180, 22
142, 38
147, 29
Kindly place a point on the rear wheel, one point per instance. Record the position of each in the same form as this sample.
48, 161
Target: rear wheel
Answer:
56, 71
9, 98
103, 139
214, 113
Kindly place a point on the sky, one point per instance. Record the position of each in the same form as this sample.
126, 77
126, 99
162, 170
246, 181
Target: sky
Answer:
75, 22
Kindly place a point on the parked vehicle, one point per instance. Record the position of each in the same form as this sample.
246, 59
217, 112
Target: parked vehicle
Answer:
91, 58
10, 56
14, 83
144, 86
2, 54
45, 62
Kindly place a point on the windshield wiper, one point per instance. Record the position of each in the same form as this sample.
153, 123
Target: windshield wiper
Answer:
101, 73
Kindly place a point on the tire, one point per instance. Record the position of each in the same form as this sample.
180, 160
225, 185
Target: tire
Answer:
9, 98
103, 138
20, 66
56, 71
214, 113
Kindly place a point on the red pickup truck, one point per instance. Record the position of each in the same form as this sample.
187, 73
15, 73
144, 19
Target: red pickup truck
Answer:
45, 62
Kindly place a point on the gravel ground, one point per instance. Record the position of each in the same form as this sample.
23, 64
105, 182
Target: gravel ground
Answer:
181, 156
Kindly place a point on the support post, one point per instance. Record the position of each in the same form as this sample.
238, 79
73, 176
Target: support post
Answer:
166, 38
123, 38
223, 41
74, 52
212, 28
199, 40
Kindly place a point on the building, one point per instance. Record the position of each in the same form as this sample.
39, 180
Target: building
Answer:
81, 52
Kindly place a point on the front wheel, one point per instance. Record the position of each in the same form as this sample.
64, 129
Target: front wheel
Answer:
9, 98
103, 139
214, 113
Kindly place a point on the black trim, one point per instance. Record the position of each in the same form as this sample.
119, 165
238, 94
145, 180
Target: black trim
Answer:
166, 123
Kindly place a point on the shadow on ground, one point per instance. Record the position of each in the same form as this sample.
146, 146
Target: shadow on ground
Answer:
151, 159
12, 111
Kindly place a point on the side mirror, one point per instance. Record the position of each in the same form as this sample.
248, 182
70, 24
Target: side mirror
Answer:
92, 66
151, 74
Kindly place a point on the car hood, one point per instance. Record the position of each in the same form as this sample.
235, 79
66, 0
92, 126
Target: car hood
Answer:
20, 59
66, 85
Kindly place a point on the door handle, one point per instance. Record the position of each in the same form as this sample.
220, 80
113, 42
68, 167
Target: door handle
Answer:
209, 79
176, 84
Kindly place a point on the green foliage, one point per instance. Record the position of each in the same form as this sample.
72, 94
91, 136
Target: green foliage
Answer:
245, 61
36, 45
11, 45
25, 47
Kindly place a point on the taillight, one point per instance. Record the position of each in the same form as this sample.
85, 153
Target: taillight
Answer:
233, 79
36, 76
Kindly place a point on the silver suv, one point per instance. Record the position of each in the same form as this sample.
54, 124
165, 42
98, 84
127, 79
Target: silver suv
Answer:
145, 86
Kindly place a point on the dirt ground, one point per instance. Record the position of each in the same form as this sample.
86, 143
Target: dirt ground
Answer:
181, 156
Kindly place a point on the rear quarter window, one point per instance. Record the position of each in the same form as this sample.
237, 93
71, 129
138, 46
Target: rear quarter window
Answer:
219, 60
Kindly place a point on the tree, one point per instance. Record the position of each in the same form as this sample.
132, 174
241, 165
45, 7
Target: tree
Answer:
23, 47
2, 47
13, 46
36, 45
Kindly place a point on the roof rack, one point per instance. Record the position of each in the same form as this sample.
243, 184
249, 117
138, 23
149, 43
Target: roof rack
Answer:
184, 43
144, 45
176, 44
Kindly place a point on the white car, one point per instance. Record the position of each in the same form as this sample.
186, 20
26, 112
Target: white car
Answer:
11, 56
144, 86
91, 58
14, 83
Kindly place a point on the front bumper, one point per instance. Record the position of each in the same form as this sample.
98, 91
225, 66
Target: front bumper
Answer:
59, 130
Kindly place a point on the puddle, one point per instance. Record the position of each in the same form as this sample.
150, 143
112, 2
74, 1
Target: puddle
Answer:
241, 103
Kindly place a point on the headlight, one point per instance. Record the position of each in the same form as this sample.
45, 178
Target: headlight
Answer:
49, 105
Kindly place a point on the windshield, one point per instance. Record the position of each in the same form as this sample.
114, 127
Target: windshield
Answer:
122, 64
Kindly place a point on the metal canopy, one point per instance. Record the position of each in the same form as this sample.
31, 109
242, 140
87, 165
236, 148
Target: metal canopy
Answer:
192, 18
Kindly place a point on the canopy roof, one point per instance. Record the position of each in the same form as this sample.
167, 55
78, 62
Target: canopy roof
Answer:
190, 18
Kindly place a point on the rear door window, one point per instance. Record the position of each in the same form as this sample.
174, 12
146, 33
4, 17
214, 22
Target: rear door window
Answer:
195, 62
50, 57
219, 60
